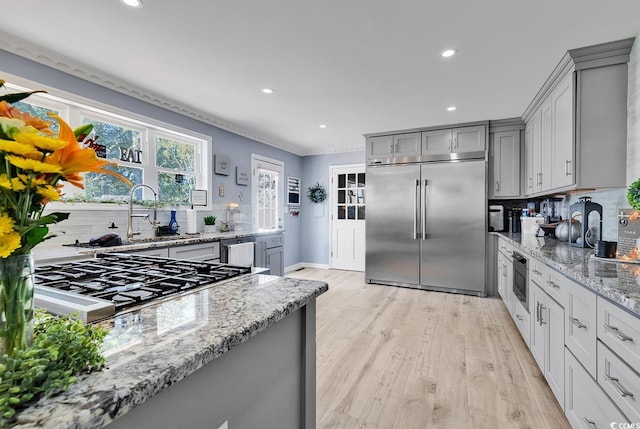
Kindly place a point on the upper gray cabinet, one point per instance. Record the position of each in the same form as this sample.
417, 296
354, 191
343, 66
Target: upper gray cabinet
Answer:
393, 146
454, 140
576, 127
504, 158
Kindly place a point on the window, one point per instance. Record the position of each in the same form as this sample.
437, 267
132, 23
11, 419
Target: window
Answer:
267, 191
171, 161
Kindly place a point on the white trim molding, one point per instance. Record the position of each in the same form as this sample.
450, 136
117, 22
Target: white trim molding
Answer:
28, 50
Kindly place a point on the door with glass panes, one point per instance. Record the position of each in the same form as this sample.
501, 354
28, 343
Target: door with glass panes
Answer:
347, 217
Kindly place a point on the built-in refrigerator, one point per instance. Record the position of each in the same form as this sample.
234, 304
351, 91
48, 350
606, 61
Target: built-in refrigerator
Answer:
426, 224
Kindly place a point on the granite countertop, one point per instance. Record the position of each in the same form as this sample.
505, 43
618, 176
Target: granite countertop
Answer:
43, 254
617, 281
149, 349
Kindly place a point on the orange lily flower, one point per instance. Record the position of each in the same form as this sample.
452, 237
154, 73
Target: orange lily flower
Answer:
8, 111
74, 159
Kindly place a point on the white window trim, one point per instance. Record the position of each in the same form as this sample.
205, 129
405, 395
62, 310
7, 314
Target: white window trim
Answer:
259, 161
72, 106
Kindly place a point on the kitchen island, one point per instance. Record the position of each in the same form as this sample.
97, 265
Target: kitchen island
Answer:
240, 352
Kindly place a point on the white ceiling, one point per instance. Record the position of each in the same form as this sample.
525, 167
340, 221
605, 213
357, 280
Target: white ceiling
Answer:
358, 66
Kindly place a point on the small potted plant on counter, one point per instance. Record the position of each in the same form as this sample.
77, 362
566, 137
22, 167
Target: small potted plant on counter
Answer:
209, 224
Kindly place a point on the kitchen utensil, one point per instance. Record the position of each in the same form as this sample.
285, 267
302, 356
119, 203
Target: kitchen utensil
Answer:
606, 249
566, 230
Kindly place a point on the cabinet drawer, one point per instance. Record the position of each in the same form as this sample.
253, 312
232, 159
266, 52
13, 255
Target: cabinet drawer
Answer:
523, 320
620, 331
620, 382
555, 285
538, 272
199, 252
580, 324
162, 252
586, 405
505, 248
275, 241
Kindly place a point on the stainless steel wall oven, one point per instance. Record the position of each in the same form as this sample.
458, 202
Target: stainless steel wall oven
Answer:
520, 279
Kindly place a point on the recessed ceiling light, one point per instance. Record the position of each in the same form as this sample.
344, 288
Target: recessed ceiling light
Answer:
267, 90
451, 108
133, 3
323, 126
448, 53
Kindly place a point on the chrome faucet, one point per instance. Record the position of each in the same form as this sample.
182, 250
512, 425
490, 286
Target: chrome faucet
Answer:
131, 215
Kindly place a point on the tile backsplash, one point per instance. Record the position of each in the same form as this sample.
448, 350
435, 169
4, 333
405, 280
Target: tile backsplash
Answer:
610, 199
84, 224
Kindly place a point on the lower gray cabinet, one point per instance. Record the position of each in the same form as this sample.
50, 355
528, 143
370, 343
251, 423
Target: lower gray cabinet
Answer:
586, 405
269, 253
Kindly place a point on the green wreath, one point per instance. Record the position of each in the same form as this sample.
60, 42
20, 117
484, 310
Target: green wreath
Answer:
316, 193
633, 195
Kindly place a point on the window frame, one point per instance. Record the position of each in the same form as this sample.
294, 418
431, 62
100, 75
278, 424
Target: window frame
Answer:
73, 108
277, 166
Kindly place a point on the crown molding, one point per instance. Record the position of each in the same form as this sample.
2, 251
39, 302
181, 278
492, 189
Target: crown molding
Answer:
55, 60
335, 149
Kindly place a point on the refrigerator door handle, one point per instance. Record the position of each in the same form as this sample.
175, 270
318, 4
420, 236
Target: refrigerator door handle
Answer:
424, 211
415, 209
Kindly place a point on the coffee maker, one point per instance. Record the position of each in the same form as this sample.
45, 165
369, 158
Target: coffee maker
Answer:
550, 210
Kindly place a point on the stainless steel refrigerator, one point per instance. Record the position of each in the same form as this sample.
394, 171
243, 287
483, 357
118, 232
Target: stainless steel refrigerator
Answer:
426, 225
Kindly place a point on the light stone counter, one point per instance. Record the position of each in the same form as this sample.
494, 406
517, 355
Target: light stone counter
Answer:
43, 254
150, 349
619, 282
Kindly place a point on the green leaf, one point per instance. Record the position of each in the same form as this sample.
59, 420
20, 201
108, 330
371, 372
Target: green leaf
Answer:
36, 235
54, 218
15, 97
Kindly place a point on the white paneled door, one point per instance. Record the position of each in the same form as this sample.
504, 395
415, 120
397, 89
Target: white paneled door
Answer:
347, 217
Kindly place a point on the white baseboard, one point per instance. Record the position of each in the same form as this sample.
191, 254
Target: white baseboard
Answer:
301, 265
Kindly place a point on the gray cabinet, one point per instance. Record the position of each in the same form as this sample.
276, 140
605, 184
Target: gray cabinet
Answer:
576, 125
393, 146
454, 140
547, 338
269, 253
586, 405
504, 164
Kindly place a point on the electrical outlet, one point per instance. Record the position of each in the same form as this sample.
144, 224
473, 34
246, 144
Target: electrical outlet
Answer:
224, 425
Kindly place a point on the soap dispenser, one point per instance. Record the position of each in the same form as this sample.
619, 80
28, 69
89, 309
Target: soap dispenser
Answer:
173, 223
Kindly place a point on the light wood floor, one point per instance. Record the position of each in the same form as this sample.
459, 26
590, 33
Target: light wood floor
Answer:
392, 357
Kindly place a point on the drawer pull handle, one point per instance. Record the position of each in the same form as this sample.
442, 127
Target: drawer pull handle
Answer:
553, 284
578, 323
619, 334
519, 317
616, 383
591, 423
536, 272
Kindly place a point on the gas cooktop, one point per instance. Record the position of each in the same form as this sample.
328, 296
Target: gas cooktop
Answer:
114, 282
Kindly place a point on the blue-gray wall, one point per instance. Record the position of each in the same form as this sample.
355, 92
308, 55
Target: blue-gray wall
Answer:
315, 231
237, 148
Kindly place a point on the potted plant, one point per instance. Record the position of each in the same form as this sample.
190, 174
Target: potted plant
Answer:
209, 224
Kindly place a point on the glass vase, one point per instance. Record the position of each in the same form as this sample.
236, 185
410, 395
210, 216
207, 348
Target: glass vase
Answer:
16, 303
